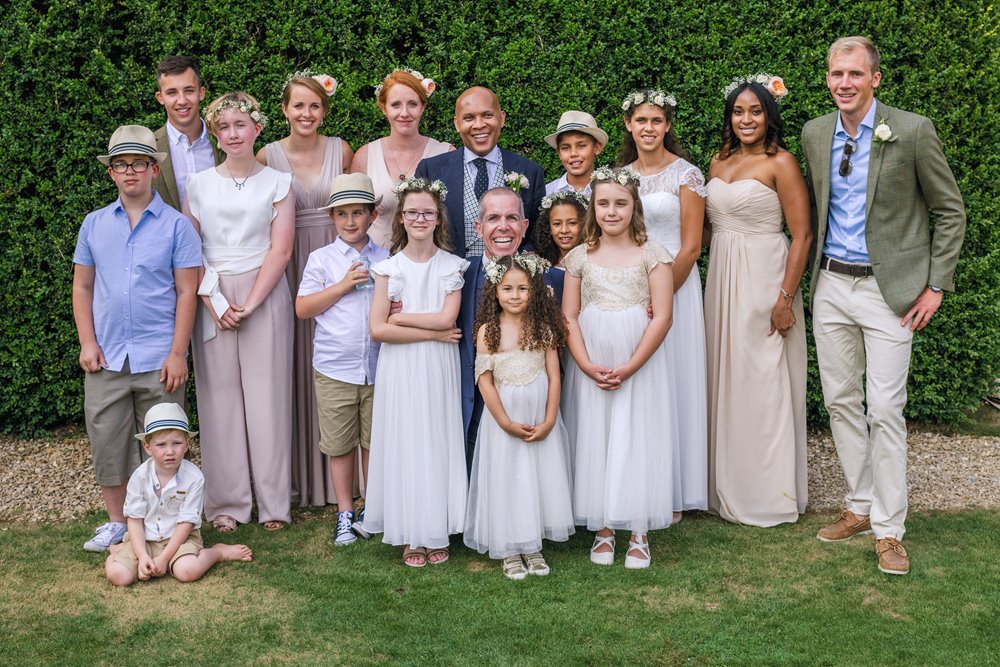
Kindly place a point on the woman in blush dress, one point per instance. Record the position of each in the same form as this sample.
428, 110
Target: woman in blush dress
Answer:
402, 97
753, 313
313, 160
673, 200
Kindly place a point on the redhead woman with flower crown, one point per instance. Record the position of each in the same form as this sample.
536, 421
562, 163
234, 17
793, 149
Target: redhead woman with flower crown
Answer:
402, 97
753, 313
245, 214
314, 160
673, 199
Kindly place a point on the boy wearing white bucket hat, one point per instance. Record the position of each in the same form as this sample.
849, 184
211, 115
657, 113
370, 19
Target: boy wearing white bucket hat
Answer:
134, 296
164, 504
336, 290
578, 141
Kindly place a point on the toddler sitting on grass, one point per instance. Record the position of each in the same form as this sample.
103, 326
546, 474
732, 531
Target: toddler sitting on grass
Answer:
163, 507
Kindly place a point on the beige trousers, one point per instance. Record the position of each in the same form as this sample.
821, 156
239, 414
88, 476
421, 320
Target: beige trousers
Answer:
858, 336
244, 383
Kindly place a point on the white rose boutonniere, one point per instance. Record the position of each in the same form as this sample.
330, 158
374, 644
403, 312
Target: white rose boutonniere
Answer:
515, 181
882, 135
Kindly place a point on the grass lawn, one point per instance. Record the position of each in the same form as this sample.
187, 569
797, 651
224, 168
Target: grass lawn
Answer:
717, 594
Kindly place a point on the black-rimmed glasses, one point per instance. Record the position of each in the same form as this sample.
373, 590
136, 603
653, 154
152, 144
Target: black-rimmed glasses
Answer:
850, 146
139, 166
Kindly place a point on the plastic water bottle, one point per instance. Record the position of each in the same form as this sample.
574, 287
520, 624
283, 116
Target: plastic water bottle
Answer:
367, 266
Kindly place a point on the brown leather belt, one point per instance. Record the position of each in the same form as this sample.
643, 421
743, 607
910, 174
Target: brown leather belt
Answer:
853, 270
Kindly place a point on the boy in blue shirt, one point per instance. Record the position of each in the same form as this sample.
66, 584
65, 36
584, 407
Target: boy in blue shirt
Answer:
336, 290
134, 297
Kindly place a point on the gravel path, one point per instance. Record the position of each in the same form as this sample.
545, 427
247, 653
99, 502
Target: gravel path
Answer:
51, 480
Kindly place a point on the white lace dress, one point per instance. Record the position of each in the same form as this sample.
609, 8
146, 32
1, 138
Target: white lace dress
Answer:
416, 473
622, 464
685, 344
519, 491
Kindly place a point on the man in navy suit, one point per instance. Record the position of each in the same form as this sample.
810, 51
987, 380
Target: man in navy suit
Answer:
501, 226
478, 167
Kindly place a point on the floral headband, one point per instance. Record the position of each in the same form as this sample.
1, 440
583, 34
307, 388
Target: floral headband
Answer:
425, 81
565, 196
256, 115
774, 85
623, 176
434, 188
328, 82
657, 97
528, 262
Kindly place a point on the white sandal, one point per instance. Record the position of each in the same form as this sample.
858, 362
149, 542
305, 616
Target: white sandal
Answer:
634, 562
603, 557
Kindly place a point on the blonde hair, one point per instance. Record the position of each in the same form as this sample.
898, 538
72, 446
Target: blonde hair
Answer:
306, 82
234, 100
404, 78
636, 226
853, 43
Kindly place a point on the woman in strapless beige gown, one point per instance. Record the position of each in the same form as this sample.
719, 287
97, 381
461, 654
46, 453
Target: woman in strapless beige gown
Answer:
753, 315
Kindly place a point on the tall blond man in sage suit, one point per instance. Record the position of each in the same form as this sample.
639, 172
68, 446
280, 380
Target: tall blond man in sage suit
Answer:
878, 178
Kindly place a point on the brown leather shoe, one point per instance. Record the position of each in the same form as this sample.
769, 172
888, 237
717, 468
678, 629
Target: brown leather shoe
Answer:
844, 528
892, 557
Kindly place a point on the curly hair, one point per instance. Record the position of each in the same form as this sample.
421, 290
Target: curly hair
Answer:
399, 237
636, 228
544, 243
774, 134
629, 152
543, 325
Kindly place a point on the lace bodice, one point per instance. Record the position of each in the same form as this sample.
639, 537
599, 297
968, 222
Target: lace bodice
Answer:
516, 367
615, 287
661, 203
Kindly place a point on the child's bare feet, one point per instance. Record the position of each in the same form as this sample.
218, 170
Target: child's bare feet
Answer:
234, 552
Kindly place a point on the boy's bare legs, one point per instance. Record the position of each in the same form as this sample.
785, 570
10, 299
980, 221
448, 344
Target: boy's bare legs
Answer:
114, 502
342, 471
118, 574
191, 567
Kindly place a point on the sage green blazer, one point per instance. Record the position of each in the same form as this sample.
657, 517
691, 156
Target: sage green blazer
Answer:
166, 183
909, 186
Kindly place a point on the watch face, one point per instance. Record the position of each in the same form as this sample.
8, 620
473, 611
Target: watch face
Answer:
934, 289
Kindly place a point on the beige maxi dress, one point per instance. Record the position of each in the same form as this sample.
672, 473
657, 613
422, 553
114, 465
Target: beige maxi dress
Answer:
756, 382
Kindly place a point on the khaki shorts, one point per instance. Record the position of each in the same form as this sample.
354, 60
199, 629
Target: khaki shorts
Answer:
115, 405
345, 414
192, 545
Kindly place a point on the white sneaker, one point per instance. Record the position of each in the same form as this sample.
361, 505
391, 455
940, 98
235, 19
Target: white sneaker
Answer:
105, 535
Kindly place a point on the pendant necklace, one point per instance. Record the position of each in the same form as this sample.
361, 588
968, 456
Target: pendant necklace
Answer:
402, 172
239, 184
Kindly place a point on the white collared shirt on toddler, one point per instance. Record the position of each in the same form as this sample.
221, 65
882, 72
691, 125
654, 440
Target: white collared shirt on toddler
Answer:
180, 500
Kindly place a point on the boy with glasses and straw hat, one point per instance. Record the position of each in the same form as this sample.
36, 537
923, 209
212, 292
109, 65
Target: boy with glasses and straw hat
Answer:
134, 283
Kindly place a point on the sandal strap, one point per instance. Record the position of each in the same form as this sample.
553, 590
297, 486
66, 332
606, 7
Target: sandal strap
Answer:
641, 547
601, 540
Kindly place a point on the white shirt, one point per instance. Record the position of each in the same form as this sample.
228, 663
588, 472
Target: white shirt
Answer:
343, 348
562, 183
180, 501
187, 157
492, 164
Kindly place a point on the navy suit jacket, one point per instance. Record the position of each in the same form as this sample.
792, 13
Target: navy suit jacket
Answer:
472, 292
449, 169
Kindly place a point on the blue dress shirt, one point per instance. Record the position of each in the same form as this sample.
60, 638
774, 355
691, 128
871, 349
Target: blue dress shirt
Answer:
845, 229
135, 297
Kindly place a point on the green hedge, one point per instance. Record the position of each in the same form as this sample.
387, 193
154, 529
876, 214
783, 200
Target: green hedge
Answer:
72, 71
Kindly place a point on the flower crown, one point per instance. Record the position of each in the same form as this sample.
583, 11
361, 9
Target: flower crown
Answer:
425, 81
528, 262
657, 97
434, 188
774, 85
516, 181
256, 115
622, 176
328, 82
563, 196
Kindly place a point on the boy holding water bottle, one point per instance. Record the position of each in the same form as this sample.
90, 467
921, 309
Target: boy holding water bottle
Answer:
336, 290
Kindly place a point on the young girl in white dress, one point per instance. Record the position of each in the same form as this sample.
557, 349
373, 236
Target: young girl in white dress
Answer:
616, 388
416, 475
520, 488
673, 200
